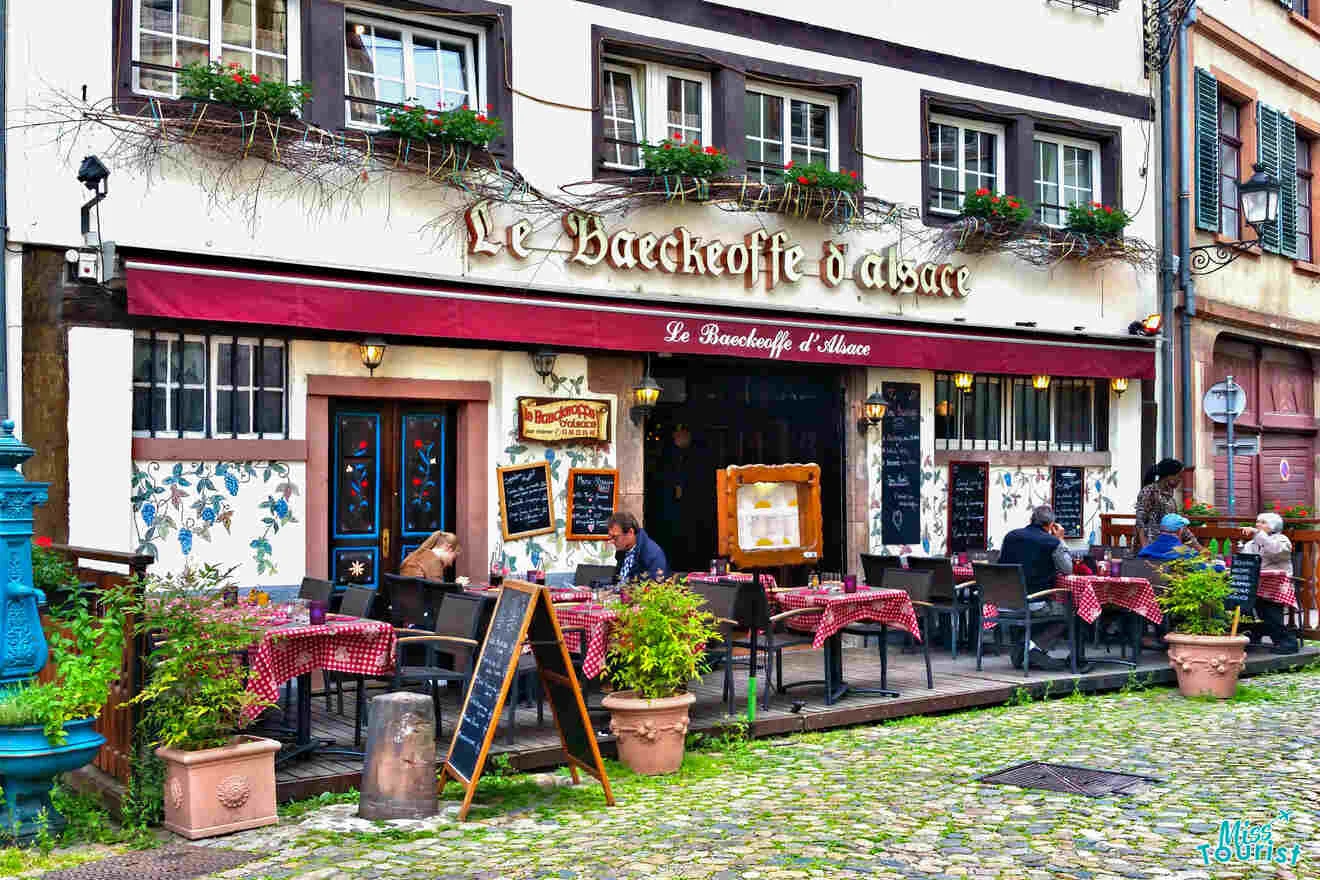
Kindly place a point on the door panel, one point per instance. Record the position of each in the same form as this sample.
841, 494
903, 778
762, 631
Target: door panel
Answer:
356, 538
1276, 449
1245, 470
424, 444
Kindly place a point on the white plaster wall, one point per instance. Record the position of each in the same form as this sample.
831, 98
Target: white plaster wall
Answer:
100, 436
13, 331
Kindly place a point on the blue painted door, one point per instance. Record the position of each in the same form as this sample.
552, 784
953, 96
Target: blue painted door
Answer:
391, 485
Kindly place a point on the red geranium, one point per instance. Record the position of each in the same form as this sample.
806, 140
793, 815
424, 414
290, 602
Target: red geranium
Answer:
667, 145
995, 200
803, 180
43, 542
678, 137
254, 79
983, 192
852, 174
788, 164
237, 78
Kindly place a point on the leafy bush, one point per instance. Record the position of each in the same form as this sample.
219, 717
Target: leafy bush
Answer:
196, 694
1098, 219
1195, 509
995, 206
461, 126
51, 572
239, 87
818, 174
86, 652
659, 639
1194, 597
672, 156
1294, 511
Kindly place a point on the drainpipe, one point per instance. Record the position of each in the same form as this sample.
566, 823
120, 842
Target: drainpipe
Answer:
1166, 238
4, 213
1187, 282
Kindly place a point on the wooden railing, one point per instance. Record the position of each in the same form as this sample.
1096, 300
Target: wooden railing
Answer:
117, 720
1116, 529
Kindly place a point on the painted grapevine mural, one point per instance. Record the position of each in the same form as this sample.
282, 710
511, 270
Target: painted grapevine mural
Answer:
186, 502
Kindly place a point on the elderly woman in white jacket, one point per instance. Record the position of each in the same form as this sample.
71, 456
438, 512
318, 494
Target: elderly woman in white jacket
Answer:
1268, 541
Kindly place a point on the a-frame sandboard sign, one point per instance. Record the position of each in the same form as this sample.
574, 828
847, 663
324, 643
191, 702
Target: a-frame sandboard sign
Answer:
523, 612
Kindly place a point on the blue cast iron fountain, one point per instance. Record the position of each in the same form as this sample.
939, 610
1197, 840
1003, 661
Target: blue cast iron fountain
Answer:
28, 761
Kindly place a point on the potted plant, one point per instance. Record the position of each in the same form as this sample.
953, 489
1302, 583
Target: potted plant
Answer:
46, 728
216, 780
234, 85
1099, 219
671, 160
657, 646
1206, 659
1194, 510
463, 126
984, 204
52, 573
818, 176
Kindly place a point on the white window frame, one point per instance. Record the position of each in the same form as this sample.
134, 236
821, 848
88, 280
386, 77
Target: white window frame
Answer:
171, 430
1062, 141
959, 444
216, 389
216, 44
474, 47
1052, 443
789, 96
962, 125
637, 75
653, 113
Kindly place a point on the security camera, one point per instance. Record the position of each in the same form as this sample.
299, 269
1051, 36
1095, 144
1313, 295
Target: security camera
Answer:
92, 172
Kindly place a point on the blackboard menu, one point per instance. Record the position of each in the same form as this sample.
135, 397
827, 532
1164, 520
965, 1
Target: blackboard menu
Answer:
900, 451
1066, 489
561, 690
969, 484
1243, 581
489, 683
591, 498
526, 505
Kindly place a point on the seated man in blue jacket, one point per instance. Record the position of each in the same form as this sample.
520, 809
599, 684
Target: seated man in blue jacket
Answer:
636, 555
1168, 544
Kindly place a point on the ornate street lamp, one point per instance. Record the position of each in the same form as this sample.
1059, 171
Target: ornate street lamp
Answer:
873, 412
1258, 199
372, 350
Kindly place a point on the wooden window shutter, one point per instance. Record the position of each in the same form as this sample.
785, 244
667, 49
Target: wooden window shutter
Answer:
1267, 153
1287, 186
1207, 151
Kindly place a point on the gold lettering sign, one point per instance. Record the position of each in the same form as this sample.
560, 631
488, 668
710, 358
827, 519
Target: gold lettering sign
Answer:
555, 420
762, 257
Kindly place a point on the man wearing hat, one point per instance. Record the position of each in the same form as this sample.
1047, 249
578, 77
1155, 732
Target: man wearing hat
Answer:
1157, 499
1168, 544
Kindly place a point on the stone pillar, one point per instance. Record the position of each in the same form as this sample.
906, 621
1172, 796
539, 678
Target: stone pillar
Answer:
23, 642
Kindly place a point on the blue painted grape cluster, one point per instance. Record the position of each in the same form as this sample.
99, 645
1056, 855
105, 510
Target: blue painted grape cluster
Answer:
231, 483
148, 513
185, 541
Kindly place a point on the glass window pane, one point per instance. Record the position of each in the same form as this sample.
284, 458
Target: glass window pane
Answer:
390, 91
157, 15
1229, 222
272, 25
236, 22
156, 50
774, 118
820, 126
158, 421
358, 43
453, 64
1228, 161
272, 367
430, 98
1228, 118
752, 113
141, 416
426, 60
271, 68
194, 363
194, 19
270, 413
141, 360
692, 104
773, 154
227, 361
387, 49
797, 117
191, 403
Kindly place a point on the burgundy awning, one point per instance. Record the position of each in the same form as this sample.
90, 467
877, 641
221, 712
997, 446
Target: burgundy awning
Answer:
242, 296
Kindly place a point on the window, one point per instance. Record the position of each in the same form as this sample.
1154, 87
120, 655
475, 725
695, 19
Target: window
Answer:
189, 385
1230, 150
1304, 200
964, 157
1301, 7
261, 35
1067, 173
1008, 413
387, 64
809, 129
648, 102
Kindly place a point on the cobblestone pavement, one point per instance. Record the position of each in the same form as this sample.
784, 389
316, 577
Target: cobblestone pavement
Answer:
893, 801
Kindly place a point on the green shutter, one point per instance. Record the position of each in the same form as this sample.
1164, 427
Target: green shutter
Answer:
1287, 186
1267, 156
1207, 151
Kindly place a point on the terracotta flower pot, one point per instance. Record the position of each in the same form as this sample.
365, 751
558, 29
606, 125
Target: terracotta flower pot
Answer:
651, 733
1207, 664
217, 791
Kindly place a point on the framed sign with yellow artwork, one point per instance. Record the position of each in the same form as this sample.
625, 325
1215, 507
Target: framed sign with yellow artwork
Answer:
769, 515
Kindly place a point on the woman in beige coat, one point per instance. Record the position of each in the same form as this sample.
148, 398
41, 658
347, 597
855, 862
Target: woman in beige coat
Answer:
431, 559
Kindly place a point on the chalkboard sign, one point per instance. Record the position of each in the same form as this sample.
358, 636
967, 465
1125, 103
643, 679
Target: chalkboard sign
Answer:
1066, 492
1243, 581
592, 494
520, 609
969, 487
526, 505
900, 451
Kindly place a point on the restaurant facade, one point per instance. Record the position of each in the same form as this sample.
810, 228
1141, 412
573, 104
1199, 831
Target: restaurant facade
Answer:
305, 371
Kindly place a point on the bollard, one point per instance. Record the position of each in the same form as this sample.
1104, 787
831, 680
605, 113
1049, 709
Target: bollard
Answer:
398, 773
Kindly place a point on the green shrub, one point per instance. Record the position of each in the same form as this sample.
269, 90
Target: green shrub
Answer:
461, 126
818, 175
1098, 219
1194, 597
658, 643
672, 156
239, 87
995, 206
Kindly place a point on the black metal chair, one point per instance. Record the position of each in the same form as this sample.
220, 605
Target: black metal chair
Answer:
357, 603
316, 590
1005, 587
771, 637
874, 566
946, 597
918, 585
586, 575
411, 601
721, 601
459, 623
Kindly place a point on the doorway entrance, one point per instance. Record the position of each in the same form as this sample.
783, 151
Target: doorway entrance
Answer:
392, 478
712, 414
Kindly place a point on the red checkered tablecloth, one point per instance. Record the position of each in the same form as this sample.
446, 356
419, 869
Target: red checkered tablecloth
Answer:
963, 573
1277, 586
1092, 592
597, 620
742, 577
341, 644
837, 610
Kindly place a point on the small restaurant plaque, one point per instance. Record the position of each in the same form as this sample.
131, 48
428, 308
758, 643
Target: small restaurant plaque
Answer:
555, 420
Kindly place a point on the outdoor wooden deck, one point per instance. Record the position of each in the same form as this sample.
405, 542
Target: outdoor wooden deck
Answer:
957, 686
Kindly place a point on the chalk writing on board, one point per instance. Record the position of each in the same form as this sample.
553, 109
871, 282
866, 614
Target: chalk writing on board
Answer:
1067, 484
968, 483
525, 500
592, 496
502, 640
1243, 582
900, 461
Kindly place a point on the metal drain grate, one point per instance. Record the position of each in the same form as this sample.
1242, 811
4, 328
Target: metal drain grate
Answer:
177, 862
1068, 779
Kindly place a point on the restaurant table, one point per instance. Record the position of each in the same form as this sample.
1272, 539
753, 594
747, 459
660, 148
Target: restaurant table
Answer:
557, 594
838, 610
742, 577
1277, 585
286, 651
596, 621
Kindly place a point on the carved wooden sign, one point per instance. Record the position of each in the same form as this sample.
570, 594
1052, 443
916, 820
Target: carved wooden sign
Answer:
761, 257
556, 420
